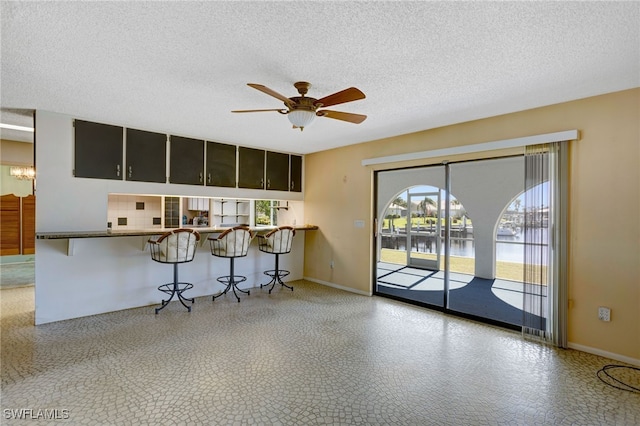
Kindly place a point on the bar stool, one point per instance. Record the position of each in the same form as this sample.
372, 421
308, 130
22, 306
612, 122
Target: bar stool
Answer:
277, 242
232, 243
175, 247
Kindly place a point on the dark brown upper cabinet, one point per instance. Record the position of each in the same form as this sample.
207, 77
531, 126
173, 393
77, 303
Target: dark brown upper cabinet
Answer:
295, 182
146, 156
277, 171
186, 161
250, 168
221, 165
98, 150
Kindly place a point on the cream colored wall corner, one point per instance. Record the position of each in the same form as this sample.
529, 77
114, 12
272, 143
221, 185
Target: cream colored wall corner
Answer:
335, 201
604, 231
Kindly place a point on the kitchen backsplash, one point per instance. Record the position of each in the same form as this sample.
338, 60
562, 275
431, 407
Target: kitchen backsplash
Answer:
135, 211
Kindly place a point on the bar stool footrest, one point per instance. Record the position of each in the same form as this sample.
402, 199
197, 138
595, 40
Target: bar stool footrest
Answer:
231, 281
276, 277
279, 273
175, 290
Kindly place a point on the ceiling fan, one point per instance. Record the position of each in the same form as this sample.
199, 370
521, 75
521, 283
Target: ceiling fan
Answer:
301, 110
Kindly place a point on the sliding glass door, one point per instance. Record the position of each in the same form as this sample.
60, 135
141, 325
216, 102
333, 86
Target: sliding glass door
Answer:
466, 221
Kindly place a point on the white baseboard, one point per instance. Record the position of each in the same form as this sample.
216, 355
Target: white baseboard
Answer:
329, 284
600, 352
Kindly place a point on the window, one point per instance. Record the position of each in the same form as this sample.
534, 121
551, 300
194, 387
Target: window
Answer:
266, 212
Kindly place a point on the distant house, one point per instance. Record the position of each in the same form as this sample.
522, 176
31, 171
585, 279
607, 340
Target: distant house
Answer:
396, 209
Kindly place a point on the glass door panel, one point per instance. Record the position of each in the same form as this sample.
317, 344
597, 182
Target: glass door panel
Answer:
484, 191
408, 244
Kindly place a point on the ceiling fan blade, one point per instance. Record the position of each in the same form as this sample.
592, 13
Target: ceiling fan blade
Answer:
346, 95
280, 110
270, 92
344, 116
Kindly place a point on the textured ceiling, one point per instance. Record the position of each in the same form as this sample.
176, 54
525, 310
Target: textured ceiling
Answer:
181, 67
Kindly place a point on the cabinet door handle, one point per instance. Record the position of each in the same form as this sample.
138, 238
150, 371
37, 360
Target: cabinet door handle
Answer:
200, 176
262, 183
268, 183
130, 171
293, 185
209, 178
118, 170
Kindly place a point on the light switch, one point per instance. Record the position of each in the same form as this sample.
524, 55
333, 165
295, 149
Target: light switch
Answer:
358, 223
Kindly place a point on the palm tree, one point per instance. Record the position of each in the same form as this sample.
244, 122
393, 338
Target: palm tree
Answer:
400, 202
426, 205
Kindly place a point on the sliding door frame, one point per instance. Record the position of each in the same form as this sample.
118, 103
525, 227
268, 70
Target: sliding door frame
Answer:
480, 148
444, 239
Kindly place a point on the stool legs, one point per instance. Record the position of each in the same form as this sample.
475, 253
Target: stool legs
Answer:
231, 282
175, 289
276, 276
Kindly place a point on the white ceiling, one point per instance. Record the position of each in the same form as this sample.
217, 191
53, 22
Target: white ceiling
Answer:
181, 67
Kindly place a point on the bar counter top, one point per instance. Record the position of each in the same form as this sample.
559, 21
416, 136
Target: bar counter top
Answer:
153, 231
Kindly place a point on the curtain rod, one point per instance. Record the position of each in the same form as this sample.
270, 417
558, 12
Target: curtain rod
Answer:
566, 135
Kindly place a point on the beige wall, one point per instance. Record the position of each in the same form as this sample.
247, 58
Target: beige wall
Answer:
604, 229
14, 153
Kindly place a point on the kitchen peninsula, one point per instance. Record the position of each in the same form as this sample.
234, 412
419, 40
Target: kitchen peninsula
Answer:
83, 269
105, 271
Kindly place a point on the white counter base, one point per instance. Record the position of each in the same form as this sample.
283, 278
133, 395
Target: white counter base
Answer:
111, 274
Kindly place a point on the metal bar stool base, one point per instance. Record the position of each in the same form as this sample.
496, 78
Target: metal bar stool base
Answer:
231, 281
276, 277
175, 289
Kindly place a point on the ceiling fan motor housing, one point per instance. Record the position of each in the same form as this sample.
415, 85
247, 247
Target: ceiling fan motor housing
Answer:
303, 103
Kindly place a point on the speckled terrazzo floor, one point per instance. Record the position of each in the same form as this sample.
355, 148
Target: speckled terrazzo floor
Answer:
316, 355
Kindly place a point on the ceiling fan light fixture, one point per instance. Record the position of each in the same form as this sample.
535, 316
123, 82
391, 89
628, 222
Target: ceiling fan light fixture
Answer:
301, 118
302, 110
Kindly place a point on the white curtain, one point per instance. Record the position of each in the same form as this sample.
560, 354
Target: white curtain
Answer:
545, 243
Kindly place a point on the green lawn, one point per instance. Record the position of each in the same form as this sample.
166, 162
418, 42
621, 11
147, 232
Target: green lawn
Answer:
464, 265
401, 222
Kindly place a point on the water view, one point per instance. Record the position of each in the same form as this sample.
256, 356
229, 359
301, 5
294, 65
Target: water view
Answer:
508, 248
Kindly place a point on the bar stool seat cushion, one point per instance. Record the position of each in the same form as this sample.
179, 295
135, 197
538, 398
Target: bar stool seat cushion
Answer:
233, 242
277, 241
175, 247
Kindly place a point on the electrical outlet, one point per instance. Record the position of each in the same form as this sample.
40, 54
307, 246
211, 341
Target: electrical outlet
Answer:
604, 313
